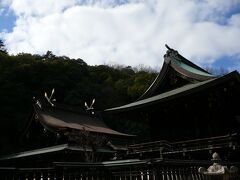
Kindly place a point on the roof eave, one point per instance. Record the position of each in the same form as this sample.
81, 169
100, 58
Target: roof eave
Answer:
196, 88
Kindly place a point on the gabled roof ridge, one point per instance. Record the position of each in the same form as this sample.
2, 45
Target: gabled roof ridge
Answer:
177, 56
186, 61
173, 54
185, 69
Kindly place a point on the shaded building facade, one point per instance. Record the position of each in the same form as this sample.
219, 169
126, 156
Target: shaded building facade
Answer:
185, 103
186, 113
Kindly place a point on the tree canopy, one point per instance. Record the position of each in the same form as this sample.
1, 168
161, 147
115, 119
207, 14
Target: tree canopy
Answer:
25, 76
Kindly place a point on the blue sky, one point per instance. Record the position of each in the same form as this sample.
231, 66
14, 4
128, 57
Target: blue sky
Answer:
128, 32
7, 20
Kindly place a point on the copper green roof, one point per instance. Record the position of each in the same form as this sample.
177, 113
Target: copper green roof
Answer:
191, 68
174, 63
178, 92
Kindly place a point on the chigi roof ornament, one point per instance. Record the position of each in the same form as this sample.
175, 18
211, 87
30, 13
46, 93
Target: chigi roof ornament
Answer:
90, 108
49, 99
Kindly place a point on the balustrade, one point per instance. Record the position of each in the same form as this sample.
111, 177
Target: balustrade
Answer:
146, 170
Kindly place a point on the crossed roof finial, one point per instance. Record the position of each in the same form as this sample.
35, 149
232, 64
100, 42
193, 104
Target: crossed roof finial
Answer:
90, 108
50, 99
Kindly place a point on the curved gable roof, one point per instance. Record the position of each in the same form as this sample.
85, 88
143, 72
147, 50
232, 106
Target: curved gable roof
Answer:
174, 63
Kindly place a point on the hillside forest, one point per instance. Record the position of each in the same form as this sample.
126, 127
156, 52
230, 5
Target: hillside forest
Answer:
24, 76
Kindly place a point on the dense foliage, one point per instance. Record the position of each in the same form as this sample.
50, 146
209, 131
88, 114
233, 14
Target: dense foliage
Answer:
24, 76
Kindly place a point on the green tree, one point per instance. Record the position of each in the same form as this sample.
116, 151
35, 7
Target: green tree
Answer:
25, 75
2, 47
141, 81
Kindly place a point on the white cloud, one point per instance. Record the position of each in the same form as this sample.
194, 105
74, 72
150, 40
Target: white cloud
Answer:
128, 32
235, 21
3, 5
39, 7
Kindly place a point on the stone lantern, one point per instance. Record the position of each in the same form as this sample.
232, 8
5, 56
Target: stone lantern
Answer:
217, 171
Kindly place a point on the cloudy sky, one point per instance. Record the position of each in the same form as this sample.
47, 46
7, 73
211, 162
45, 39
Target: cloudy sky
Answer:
129, 32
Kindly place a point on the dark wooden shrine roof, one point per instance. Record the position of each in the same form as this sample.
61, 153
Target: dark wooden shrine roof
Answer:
196, 78
57, 119
52, 149
176, 63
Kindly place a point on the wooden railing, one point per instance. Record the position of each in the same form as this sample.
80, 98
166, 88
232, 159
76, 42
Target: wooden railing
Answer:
166, 147
154, 169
